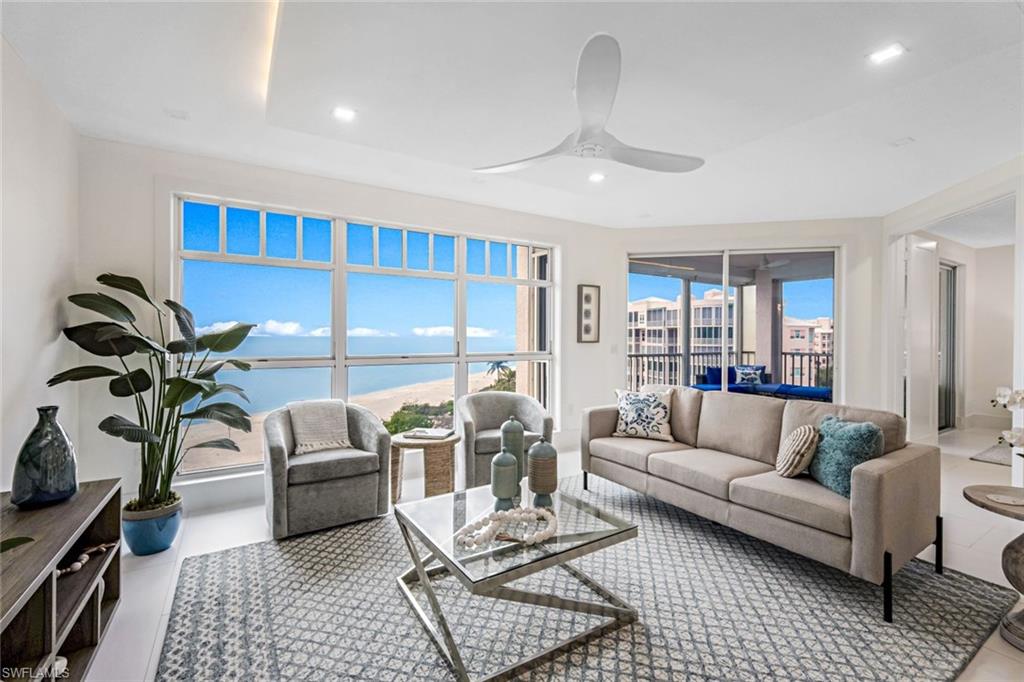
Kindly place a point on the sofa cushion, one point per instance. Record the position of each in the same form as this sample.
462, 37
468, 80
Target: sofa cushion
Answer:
644, 414
708, 471
488, 441
745, 425
685, 413
797, 451
630, 452
800, 412
324, 465
843, 446
800, 499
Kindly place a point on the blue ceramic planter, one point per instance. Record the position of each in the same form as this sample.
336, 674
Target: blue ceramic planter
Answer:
153, 531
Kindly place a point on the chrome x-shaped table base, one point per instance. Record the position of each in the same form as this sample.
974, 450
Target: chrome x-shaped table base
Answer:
617, 611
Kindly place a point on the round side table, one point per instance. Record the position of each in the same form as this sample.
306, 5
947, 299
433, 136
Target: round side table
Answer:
1012, 627
438, 463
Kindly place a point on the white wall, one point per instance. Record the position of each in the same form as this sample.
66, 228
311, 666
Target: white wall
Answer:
990, 362
125, 208
858, 330
37, 248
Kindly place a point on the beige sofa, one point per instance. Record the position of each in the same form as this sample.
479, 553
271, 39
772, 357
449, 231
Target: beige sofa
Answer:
721, 465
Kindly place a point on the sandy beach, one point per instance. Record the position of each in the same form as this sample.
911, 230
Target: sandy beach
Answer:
381, 403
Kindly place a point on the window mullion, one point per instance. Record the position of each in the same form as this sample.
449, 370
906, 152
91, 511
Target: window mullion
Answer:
461, 365
339, 311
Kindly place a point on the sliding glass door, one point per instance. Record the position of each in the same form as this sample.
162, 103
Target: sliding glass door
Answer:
767, 318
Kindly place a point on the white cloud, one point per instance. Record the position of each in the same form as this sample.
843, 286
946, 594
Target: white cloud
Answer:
368, 331
472, 332
215, 327
321, 331
275, 328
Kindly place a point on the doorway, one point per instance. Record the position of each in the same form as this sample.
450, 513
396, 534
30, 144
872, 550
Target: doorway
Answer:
947, 346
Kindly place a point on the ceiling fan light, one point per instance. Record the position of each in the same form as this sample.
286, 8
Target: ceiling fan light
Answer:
887, 53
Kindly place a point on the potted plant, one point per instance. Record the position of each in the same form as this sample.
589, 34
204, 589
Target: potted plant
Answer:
172, 384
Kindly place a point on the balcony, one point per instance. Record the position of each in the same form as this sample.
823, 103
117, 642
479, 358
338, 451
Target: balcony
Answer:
798, 369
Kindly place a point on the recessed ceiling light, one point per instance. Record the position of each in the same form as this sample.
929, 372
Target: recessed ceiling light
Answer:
344, 114
596, 177
887, 53
179, 114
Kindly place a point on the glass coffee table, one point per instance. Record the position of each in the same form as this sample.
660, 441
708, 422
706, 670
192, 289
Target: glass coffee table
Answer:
486, 571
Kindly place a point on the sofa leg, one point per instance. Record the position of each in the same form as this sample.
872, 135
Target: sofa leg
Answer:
938, 544
585, 481
887, 587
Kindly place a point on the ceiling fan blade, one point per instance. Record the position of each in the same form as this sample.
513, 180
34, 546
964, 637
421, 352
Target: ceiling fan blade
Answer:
560, 149
653, 160
597, 81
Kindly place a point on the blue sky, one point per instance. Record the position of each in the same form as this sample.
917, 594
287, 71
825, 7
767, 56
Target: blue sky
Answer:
292, 305
807, 299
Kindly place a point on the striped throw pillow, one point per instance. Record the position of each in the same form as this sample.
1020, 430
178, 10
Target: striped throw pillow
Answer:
797, 451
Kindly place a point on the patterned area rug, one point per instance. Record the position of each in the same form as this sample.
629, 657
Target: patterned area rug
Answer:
713, 604
997, 454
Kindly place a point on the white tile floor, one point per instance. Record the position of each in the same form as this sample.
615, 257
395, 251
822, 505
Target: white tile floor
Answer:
131, 649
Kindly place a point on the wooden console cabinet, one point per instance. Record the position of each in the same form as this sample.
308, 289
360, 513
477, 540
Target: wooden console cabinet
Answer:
44, 616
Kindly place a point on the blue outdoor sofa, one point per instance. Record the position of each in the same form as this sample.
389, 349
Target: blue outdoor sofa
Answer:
712, 381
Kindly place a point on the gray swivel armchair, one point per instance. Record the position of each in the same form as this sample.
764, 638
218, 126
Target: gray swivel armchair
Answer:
479, 417
319, 490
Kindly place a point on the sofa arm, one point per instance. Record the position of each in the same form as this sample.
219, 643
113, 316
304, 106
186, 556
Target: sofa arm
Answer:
465, 451
894, 502
598, 422
366, 432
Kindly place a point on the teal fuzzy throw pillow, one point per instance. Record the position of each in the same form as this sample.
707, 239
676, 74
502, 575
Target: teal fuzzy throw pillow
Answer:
844, 445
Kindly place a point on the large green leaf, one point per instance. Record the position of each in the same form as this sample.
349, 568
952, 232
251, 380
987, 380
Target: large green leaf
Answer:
10, 543
180, 390
82, 373
186, 323
227, 340
86, 336
142, 344
226, 388
179, 346
104, 305
228, 414
118, 426
214, 367
129, 284
133, 382
218, 444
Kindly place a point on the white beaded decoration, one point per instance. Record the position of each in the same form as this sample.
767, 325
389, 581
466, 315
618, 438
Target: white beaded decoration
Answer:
485, 530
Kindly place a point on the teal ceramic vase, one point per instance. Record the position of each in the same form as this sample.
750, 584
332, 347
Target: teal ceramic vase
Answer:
513, 440
542, 465
46, 470
504, 481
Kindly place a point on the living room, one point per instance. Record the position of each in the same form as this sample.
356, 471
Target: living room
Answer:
305, 179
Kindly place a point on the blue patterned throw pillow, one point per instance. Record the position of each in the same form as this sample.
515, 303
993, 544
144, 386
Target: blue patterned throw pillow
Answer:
644, 415
843, 446
749, 374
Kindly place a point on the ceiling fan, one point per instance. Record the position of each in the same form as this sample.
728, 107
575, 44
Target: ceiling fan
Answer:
770, 264
597, 81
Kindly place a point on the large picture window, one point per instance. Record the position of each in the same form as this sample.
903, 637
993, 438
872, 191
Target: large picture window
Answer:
401, 320
769, 313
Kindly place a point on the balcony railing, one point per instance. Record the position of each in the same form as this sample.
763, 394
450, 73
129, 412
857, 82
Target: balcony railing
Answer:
668, 368
799, 369
806, 369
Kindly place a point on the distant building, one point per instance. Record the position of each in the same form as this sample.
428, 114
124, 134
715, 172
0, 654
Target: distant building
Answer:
654, 327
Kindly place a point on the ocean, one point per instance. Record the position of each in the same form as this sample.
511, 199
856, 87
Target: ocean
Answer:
269, 389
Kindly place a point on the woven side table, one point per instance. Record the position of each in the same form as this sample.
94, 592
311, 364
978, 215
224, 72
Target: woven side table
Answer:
438, 464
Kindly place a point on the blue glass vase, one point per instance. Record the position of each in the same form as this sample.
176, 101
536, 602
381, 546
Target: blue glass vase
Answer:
46, 471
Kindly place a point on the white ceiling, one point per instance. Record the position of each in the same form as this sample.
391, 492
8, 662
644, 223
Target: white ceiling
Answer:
993, 224
793, 120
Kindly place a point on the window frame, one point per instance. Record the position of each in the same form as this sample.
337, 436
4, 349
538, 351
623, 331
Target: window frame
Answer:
339, 360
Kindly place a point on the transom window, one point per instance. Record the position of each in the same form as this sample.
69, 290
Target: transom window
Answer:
401, 320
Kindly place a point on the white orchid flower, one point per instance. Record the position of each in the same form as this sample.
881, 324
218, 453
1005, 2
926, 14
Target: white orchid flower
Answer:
1014, 437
